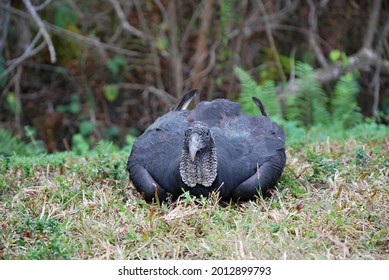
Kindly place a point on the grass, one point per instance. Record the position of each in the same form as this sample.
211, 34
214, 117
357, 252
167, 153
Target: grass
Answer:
332, 202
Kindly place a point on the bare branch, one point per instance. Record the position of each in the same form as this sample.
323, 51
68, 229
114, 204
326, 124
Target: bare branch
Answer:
153, 49
162, 10
176, 60
87, 41
372, 25
163, 95
376, 86
375, 83
122, 17
5, 16
364, 59
30, 51
90, 41
201, 46
256, 24
313, 33
42, 6
42, 28
131, 86
189, 27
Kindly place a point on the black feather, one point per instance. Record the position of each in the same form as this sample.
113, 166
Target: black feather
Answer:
185, 100
249, 153
260, 106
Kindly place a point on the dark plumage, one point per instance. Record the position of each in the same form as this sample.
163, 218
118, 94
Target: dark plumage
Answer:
213, 147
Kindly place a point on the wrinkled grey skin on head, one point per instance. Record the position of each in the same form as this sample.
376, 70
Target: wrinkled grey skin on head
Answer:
198, 163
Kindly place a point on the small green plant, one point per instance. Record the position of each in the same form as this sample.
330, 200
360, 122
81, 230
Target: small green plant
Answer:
115, 64
111, 92
344, 104
73, 107
86, 128
309, 106
64, 16
265, 92
13, 103
361, 157
79, 144
129, 141
322, 168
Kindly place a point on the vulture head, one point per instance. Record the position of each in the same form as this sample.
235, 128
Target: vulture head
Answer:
198, 163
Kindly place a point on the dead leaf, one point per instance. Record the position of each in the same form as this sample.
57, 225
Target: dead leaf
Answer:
299, 207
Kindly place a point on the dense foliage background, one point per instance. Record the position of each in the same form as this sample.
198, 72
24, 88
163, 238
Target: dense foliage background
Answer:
75, 72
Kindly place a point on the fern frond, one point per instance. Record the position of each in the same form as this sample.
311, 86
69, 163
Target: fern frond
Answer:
226, 18
309, 106
344, 104
266, 93
12, 144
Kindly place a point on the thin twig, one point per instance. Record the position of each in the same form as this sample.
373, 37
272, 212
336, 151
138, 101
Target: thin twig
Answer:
8, 86
124, 22
87, 41
30, 51
211, 54
162, 10
42, 28
42, 6
115, 35
90, 41
256, 24
153, 49
191, 23
163, 95
271, 41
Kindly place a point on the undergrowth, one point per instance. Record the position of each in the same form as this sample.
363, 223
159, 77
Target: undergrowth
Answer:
310, 106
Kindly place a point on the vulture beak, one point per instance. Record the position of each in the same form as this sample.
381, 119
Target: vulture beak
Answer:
194, 145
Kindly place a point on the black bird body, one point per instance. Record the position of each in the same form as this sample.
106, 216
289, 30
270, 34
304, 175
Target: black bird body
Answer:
249, 150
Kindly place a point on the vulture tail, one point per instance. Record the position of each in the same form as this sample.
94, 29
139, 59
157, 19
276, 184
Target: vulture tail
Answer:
260, 106
185, 100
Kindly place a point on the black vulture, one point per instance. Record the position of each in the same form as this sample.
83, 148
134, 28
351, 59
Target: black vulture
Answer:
213, 147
